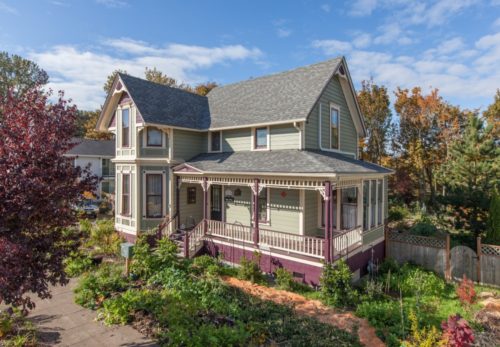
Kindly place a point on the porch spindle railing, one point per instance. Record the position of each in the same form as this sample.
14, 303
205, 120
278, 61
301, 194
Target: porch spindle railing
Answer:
230, 231
193, 240
307, 245
347, 240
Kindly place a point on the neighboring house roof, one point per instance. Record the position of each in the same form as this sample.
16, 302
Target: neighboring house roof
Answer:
160, 104
97, 148
282, 161
278, 98
284, 96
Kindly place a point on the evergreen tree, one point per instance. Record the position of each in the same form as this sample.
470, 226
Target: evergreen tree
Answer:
472, 174
493, 234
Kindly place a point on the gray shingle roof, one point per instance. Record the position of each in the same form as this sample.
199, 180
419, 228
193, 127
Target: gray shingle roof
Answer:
161, 104
284, 161
288, 95
281, 97
98, 148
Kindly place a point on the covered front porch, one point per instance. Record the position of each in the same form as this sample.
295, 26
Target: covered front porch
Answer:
314, 218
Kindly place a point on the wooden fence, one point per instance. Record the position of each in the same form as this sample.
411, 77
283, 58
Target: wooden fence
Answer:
482, 265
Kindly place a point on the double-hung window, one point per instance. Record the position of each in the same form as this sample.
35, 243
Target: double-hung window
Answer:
334, 127
125, 194
126, 127
154, 137
215, 141
154, 195
260, 141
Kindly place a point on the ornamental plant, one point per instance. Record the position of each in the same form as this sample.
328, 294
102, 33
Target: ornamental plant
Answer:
466, 292
457, 332
336, 286
38, 187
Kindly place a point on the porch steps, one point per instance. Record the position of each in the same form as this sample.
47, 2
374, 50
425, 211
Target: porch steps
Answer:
177, 237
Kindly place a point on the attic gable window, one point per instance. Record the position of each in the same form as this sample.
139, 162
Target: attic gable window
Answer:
125, 127
334, 127
154, 137
260, 141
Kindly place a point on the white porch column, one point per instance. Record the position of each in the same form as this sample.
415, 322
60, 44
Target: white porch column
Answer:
360, 205
339, 210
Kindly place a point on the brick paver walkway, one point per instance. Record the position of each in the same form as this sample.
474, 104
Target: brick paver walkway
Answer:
61, 322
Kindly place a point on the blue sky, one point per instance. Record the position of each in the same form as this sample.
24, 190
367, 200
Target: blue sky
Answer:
453, 45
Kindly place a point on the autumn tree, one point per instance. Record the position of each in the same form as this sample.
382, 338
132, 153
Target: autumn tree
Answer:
38, 186
90, 126
110, 79
473, 174
205, 88
492, 115
18, 74
374, 103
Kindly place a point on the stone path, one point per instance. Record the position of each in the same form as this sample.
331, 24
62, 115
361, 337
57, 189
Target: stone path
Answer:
61, 322
312, 308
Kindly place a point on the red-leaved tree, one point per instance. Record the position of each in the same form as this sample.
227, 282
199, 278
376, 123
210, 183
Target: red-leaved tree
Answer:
38, 186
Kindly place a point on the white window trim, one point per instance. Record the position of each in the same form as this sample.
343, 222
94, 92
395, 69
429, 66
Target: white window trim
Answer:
145, 138
320, 136
268, 208
268, 147
337, 108
210, 141
163, 193
131, 213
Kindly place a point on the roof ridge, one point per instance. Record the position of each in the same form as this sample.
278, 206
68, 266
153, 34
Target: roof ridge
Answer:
276, 73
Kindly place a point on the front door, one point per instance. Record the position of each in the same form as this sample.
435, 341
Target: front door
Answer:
216, 203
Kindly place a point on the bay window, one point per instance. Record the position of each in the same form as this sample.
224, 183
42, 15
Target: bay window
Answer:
154, 195
126, 127
125, 195
154, 137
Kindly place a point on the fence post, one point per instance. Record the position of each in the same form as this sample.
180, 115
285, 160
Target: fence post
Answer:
448, 255
479, 259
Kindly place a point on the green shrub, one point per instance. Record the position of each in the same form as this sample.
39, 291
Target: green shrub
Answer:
16, 330
336, 286
202, 263
398, 213
96, 286
284, 279
77, 263
389, 264
414, 280
147, 261
250, 269
424, 227
120, 309
104, 237
85, 227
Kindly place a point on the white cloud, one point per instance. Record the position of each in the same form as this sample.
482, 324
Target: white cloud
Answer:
362, 40
332, 47
326, 8
390, 34
81, 73
497, 22
282, 32
8, 9
460, 70
112, 3
361, 8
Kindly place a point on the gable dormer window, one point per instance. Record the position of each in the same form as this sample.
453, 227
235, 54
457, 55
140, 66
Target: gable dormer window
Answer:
215, 141
334, 127
154, 137
260, 138
126, 127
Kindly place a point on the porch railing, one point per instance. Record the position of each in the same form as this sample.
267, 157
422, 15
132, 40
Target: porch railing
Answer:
307, 245
193, 240
231, 231
346, 240
167, 226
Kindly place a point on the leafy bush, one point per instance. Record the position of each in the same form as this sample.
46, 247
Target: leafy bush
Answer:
120, 309
250, 269
414, 280
77, 263
284, 279
336, 286
397, 213
85, 227
16, 330
424, 227
104, 237
385, 317
466, 292
96, 286
202, 263
457, 332
421, 337
147, 261
389, 264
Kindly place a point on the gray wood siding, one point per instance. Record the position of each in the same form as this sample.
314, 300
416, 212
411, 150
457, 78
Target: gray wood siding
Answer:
190, 212
311, 214
284, 137
332, 94
239, 211
237, 140
188, 144
284, 211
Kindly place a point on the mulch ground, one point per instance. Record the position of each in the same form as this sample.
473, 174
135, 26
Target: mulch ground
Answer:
312, 308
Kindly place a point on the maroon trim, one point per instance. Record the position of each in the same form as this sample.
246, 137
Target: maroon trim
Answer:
205, 205
328, 215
